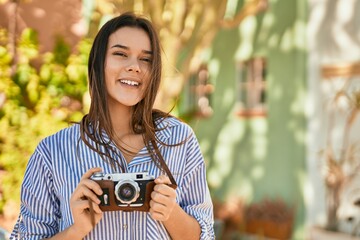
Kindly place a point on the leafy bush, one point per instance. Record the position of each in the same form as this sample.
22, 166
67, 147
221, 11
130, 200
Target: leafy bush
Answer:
39, 95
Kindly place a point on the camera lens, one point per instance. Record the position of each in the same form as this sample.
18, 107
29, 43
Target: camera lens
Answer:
127, 191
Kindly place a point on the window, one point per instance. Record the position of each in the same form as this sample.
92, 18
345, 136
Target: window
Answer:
251, 87
196, 100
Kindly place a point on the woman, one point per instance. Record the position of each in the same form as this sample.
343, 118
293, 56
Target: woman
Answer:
121, 134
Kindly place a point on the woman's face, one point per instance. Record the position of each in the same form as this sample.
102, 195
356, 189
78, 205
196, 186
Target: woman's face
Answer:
127, 66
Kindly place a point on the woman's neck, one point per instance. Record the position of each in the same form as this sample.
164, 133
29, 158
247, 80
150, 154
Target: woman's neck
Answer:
121, 119
124, 135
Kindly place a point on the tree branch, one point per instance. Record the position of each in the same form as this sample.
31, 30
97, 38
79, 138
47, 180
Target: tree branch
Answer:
251, 8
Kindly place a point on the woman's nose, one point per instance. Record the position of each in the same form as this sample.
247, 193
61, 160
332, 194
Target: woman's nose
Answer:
133, 66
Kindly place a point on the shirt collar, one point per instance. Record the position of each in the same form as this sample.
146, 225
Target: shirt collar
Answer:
163, 131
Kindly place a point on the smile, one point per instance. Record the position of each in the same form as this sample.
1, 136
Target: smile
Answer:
130, 82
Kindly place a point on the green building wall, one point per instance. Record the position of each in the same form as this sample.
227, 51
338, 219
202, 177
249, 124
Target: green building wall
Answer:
260, 157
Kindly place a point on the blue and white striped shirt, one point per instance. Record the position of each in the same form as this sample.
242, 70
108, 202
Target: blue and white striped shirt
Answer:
54, 170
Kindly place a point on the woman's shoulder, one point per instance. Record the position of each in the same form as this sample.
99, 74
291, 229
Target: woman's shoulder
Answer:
62, 139
172, 129
68, 133
172, 123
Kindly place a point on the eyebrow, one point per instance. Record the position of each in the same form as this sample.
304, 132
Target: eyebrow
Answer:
127, 48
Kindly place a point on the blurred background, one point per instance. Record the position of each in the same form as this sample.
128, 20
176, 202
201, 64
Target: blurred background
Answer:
270, 87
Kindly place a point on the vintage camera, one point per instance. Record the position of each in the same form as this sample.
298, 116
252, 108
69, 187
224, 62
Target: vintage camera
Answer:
125, 191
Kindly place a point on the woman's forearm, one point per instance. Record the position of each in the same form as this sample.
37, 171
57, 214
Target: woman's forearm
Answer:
181, 225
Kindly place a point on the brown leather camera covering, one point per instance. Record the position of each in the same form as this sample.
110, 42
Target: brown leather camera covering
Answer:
114, 207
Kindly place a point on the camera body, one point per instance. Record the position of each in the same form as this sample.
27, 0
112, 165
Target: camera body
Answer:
125, 191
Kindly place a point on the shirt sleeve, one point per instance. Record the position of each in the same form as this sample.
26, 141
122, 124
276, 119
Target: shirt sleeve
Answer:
195, 192
39, 210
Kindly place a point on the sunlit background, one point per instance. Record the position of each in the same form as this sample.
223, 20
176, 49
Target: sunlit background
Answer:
270, 87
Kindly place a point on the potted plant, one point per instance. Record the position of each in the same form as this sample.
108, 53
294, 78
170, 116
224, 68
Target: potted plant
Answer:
229, 218
271, 218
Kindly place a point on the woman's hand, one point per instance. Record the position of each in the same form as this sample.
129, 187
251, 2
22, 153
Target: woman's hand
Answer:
163, 207
81, 198
163, 199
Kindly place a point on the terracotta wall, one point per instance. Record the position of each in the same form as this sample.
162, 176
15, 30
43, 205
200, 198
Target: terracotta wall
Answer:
49, 18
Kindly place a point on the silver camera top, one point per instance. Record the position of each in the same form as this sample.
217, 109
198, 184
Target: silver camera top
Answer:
138, 176
97, 176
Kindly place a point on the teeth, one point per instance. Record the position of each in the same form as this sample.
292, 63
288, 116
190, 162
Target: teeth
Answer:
129, 82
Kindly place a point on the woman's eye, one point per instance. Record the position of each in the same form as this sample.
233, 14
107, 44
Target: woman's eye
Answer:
148, 60
119, 54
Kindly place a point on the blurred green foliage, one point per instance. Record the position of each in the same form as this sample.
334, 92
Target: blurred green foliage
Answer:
39, 95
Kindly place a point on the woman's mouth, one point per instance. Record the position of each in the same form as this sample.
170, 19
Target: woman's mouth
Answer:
130, 82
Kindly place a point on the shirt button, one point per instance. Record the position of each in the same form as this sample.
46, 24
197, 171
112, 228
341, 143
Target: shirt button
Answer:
125, 226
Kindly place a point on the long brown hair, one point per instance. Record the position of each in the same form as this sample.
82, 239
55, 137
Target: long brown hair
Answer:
143, 115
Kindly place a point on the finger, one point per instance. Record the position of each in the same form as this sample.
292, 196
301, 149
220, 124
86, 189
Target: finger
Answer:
97, 209
165, 190
94, 186
88, 194
90, 172
92, 213
161, 198
157, 207
162, 179
86, 191
95, 213
158, 197
82, 205
158, 216
89, 184
83, 192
